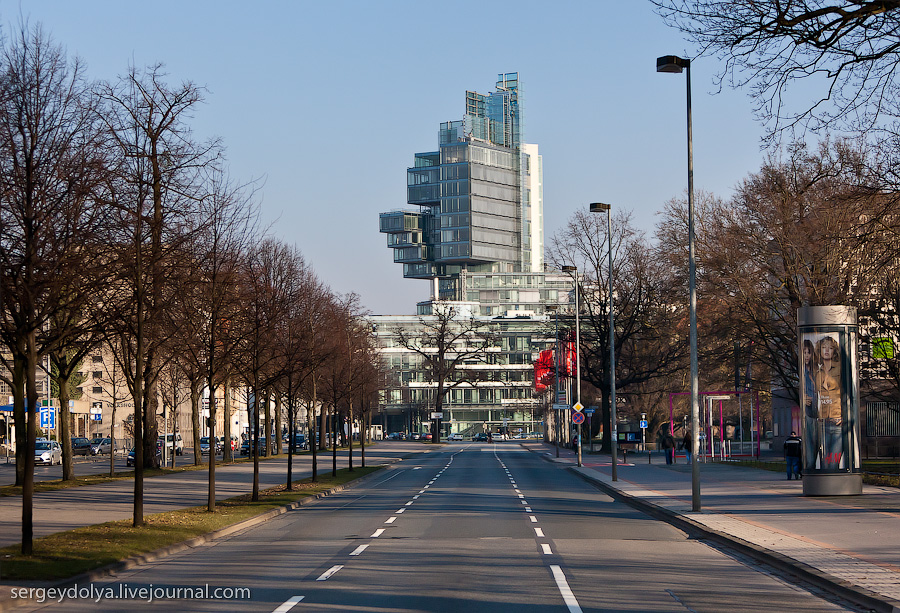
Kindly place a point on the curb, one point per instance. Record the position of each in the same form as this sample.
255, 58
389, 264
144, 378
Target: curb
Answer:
8, 604
839, 587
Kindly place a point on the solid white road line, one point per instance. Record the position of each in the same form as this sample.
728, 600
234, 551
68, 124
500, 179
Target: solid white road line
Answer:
358, 550
563, 585
539, 533
377, 533
288, 604
330, 572
390, 520
546, 548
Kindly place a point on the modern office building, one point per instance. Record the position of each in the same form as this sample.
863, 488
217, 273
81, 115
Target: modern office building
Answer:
474, 229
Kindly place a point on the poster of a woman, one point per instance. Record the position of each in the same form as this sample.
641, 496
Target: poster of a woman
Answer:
811, 439
828, 390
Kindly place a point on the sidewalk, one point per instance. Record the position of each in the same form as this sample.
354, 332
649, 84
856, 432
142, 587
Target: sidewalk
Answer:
848, 544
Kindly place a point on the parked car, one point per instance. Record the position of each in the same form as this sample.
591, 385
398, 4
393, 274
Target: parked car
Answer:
173, 441
299, 442
81, 446
100, 446
129, 459
246, 446
204, 445
47, 452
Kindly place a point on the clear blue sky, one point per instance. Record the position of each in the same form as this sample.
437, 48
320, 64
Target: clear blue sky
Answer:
328, 101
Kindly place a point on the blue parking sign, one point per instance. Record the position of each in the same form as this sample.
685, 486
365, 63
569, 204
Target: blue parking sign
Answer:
48, 418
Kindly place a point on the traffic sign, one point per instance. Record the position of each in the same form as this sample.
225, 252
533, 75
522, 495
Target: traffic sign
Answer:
437, 415
577, 418
589, 411
577, 407
560, 407
643, 423
48, 418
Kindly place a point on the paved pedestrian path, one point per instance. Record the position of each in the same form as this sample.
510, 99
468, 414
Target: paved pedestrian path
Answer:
61, 510
851, 544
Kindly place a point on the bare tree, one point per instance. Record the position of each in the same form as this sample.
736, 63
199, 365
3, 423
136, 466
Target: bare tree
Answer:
849, 48
155, 186
649, 345
47, 162
447, 342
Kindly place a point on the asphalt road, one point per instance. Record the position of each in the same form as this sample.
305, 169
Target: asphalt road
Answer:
468, 527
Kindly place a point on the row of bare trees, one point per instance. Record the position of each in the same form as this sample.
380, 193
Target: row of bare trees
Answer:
119, 228
813, 226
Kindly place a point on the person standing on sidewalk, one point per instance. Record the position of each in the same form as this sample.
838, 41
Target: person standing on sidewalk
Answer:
687, 444
668, 447
793, 451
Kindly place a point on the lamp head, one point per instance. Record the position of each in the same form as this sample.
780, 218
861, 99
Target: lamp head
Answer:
671, 63
599, 207
569, 269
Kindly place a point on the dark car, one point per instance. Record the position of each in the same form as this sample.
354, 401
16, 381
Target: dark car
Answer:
247, 449
299, 442
481, 437
81, 446
204, 445
129, 459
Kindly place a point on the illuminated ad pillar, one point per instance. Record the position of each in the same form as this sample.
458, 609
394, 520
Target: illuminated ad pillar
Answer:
829, 397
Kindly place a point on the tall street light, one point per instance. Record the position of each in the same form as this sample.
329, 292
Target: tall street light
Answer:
555, 413
674, 64
574, 271
599, 207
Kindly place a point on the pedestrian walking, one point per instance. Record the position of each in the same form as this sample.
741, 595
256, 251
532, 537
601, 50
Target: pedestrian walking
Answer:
793, 451
668, 446
687, 443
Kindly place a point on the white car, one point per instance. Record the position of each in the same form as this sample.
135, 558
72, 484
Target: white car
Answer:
455, 437
47, 452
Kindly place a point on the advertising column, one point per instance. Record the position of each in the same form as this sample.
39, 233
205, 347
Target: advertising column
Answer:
829, 397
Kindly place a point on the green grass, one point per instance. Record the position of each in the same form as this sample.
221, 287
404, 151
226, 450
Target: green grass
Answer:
66, 554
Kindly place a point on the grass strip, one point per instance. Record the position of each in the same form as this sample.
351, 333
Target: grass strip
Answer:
65, 554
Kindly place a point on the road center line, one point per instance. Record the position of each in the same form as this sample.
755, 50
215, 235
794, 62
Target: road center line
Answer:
546, 548
409, 503
390, 520
288, 604
330, 572
565, 590
401, 510
377, 533
538, 532
358, 550
528, 509
533, 519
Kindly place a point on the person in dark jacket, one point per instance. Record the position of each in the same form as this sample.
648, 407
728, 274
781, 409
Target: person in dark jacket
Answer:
793, 451
668, 446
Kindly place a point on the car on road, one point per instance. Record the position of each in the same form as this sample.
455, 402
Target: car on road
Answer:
47, 452
129, 459
173, 441
81, 446
100, 446
455, 437
299, 442
481, 437
247, 449
204, 445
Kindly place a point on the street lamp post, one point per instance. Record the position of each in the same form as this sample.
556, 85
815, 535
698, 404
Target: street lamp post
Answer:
674, 64
574, 270
556, 418
599, 207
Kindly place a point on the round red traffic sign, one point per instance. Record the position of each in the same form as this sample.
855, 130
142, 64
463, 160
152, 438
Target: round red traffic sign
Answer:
577, 418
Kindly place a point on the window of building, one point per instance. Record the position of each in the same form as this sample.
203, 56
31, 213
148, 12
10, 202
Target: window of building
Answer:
97, 390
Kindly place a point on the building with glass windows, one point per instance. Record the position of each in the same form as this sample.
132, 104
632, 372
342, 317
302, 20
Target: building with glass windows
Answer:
474, 229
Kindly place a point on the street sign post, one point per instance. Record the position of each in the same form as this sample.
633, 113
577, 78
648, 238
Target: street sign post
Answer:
577, 407
577, 418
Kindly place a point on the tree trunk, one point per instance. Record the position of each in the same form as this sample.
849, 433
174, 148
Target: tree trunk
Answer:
195, 421
268, 423
211, 500
30, 436
151, 406
19, 415
350, 436
227, 452
65, 433
277, 441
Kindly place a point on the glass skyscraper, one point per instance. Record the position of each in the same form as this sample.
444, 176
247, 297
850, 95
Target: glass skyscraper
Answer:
474, 229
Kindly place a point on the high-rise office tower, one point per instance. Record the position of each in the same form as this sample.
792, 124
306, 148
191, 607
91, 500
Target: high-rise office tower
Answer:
479, 198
